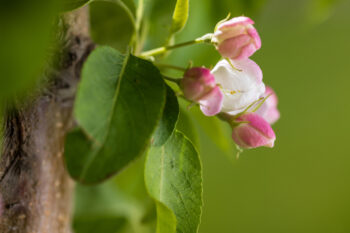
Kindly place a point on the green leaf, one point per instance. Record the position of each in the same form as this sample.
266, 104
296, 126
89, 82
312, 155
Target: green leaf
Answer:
170, 116
69, 5
166, 220
180, 15
118, 106
112, 23
173, 178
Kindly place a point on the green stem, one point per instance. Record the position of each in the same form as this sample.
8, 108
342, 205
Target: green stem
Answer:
168, 66
137, 24
174, 80
226, 117
160, 50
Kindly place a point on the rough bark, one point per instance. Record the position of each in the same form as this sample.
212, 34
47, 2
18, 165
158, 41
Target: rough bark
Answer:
35, 189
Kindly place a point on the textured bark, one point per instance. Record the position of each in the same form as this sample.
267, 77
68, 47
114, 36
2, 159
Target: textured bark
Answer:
35, 189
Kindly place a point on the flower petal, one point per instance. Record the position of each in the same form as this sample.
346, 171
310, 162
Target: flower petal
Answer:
211, 104
241, 20
240, 87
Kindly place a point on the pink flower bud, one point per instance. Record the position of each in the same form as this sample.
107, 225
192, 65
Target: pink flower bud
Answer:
237, 38
253, 132
268, 109
199, 85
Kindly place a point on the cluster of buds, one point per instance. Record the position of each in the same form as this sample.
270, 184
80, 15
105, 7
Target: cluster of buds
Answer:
234, 86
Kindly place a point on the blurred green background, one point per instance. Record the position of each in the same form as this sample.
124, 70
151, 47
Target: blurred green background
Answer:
300, 186
303, 184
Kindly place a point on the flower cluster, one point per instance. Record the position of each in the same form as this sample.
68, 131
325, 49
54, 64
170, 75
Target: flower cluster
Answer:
234, 87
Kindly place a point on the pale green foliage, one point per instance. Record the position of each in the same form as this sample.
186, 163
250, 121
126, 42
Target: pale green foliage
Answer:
180, 15
174, 178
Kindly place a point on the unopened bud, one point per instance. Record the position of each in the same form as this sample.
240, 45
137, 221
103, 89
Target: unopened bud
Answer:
253, 131
199, 85
237, 38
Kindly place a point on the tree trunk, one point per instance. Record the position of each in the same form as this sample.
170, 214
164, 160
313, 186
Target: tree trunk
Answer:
35, 189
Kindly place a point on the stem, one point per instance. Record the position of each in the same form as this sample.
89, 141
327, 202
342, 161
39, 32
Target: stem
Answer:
168, 66
204, 39
35, 188
226, 117
174, 80
139, 15
261, 103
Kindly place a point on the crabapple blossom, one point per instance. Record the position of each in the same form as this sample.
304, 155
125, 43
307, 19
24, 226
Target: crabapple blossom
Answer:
237, 38
268, 110
241, 83
199, 85
253, 131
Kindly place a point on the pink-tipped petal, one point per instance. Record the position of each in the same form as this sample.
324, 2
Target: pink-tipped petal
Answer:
250, 67
253, 132
258, 123
245, 52
273, 100
240, 20
211, 104
272, 116
241, 83
268, 110
251, 138
237, 38
227, 33
253, 33
197, 82
232, 47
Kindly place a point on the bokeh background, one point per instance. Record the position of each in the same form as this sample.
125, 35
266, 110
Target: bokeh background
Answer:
302, 185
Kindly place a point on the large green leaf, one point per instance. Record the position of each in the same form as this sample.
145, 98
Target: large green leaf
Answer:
180, 15
166, 219
173, 178
118, 106
167, 123
112, 23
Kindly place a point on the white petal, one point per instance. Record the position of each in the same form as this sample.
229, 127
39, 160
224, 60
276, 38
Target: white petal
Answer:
240, 87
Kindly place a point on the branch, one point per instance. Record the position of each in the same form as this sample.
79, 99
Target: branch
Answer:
35, 189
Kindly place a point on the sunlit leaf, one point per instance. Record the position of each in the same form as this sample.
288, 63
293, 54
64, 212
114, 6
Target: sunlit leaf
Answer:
118, 106
173, 178
180, 15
